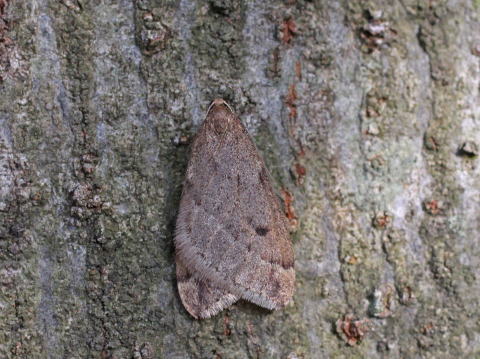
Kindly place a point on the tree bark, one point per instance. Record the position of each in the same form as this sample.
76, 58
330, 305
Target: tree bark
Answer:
366, 113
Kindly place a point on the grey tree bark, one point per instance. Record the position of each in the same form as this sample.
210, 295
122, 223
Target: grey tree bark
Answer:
366, 113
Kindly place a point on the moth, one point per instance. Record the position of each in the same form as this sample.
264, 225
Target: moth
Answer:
232, 239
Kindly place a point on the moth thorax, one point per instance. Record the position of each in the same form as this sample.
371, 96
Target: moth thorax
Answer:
221, 118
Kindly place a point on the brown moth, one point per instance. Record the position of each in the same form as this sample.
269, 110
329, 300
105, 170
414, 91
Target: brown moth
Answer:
232, 240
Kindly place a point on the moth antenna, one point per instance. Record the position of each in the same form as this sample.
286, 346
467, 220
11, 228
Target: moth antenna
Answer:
218, 102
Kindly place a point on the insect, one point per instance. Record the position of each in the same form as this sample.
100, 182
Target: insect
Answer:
232, 240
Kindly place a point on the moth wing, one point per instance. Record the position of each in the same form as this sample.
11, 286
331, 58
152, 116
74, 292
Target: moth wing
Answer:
231, 229
200, 297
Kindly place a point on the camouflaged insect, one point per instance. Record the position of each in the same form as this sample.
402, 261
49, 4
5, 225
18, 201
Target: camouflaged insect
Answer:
232, 239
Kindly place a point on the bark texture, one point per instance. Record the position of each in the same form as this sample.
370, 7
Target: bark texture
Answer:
366, 113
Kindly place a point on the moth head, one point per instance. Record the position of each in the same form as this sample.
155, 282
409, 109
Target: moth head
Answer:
220, 116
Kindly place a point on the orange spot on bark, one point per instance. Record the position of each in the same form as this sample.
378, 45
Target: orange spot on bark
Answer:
290, 101
298, 69
289, 29
289, 210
